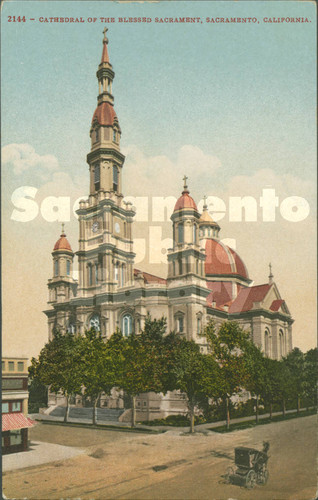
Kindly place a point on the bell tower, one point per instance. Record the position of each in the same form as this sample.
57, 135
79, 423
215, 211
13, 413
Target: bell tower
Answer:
62, 286
105, 253
186, 284
186, 258
105, 159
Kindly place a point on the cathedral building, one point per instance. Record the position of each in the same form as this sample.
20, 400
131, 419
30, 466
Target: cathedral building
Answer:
206, 279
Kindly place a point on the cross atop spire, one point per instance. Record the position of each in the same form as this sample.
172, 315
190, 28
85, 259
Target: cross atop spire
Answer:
105, 37
271, 276
105, 57
204, 203
63, 232
185, 186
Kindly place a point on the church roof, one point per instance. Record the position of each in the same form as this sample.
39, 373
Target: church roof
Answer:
276, 304
62, 244
247, 296
105, 114
150, 278
221, 292
221, 259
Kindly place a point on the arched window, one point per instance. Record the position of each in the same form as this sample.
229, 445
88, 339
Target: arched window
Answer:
68, 268
96, 273
122, 275
127, 325
180, 233
194, 233
197, 266
174, 268
180, 324
114, 135
281, 350
90, 275
187, 265
97, 177
94, 322
56, 267
209, 231
115, 178
71, 326
116, 271
180, 265
199, 325
96, 134
267, 343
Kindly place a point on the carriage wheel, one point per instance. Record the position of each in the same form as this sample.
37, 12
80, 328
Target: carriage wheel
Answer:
229, 472
250, 480
264, 477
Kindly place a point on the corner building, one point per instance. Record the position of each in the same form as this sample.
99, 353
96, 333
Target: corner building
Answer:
206, 279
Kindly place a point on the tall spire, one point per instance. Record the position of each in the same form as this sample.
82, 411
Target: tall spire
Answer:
105, 57
105, 75
105, 133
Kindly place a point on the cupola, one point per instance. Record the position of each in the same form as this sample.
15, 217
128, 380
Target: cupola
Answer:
208, 228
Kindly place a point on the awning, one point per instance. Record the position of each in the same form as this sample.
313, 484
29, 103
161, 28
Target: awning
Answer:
14, 421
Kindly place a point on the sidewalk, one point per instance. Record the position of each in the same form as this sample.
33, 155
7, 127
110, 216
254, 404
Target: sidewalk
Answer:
154, 428
38, 453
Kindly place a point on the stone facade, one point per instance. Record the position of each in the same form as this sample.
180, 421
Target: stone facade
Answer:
205, 278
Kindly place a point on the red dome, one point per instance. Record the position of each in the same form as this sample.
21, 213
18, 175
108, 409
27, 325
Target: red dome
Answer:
221, 259
62, 244
104, 114
185, 201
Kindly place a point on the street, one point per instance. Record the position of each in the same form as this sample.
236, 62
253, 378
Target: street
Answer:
168, 466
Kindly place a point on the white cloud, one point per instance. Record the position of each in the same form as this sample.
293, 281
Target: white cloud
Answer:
285, 185
160, 176
23, 158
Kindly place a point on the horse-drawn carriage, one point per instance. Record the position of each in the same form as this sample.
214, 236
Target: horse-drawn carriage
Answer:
251, 467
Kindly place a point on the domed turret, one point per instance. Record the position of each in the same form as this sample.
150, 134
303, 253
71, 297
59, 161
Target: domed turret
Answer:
185, 258
61, 286
62, 243
185, 200
208, 227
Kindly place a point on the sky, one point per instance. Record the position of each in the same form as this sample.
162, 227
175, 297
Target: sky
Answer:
231, 105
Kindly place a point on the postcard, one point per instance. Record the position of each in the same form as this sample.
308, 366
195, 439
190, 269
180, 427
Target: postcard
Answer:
158, 158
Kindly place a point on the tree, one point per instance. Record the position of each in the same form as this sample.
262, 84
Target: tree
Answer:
193, 373
37, 395
100, 366
143, 367
295, 362
271, 382
227, 346
310, 375
255, 372
284, 384
59, 366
